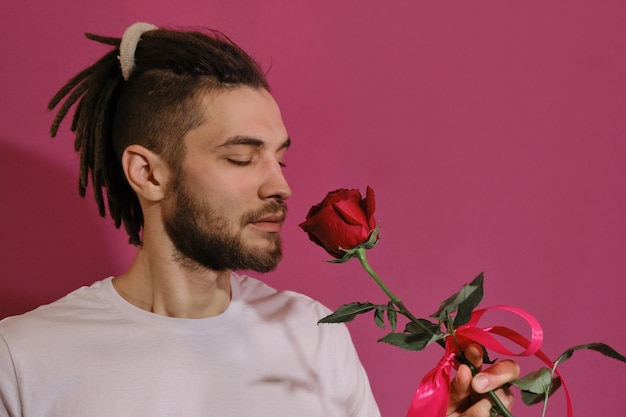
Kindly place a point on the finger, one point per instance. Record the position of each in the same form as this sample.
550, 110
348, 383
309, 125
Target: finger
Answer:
495, 376
460, 389
474, 354
483, 407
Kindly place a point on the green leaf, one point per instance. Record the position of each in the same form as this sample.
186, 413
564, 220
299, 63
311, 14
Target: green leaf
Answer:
466, 307
379, 317
415, 337
347, 312
350, 253
342, 260
536, 382
464, 301
392, 315
536, 385
373, 238
487, 359
603, 348
408, 341
413, 328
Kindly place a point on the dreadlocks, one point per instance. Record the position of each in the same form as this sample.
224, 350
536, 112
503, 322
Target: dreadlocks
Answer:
155, 107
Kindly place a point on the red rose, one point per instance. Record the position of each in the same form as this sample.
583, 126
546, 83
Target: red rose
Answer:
343, 220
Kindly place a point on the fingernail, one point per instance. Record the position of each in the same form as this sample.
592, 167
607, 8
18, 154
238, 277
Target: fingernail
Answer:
480, 382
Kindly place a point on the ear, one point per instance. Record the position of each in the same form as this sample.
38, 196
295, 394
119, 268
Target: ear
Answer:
146, 172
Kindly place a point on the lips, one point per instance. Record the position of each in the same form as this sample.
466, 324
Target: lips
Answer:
272, 218
270, 222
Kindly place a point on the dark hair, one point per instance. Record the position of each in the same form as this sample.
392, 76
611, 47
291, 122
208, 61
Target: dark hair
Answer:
155, 107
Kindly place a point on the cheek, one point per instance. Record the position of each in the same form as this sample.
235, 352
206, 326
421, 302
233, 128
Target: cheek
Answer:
202, 185
230, 191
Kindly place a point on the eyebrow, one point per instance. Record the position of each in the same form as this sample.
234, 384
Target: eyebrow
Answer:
249, 141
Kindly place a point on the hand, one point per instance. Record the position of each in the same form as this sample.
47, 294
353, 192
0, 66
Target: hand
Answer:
467, 397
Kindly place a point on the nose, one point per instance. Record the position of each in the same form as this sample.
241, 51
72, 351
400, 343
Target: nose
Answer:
275, 185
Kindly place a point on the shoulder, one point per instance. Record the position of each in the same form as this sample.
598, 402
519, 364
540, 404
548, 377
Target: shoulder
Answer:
291, 316
271, 309
258, 295
75, 306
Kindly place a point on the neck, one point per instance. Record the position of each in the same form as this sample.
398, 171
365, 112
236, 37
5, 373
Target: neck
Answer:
156, 282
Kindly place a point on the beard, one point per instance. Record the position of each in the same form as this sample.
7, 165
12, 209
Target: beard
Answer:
203, 237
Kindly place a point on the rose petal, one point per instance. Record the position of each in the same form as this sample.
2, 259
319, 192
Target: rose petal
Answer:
350, 213
370, 207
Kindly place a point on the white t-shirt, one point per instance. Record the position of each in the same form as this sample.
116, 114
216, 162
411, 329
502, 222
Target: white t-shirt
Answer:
92, 354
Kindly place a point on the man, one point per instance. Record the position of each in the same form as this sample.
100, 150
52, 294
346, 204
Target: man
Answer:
181, 132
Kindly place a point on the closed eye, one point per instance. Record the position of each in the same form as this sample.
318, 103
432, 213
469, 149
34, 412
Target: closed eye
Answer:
241, 163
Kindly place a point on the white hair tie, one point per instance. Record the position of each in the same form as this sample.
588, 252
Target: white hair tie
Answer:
130, 39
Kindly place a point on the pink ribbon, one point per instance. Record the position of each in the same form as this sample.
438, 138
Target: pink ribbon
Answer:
432, 395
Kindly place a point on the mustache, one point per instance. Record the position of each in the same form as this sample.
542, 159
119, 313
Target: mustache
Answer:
273, 207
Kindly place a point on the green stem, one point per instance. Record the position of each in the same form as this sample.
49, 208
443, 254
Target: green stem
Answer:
545, 406
502, 410
547, 391
360, 254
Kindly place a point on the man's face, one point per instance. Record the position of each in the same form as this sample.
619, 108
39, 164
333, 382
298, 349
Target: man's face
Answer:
225, 208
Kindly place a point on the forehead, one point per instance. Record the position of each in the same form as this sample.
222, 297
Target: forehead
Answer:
242, 111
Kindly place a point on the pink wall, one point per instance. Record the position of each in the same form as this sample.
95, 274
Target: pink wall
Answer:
492, 132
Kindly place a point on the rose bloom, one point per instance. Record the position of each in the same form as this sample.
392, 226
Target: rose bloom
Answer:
343, 220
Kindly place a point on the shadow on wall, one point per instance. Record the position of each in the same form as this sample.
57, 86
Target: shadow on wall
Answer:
51, 240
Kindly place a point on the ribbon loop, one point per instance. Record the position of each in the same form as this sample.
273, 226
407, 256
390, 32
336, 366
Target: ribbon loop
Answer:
433, 393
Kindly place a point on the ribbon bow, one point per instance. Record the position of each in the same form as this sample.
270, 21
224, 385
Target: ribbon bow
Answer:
432, 395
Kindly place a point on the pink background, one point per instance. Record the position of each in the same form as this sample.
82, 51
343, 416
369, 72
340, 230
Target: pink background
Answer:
491, 131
